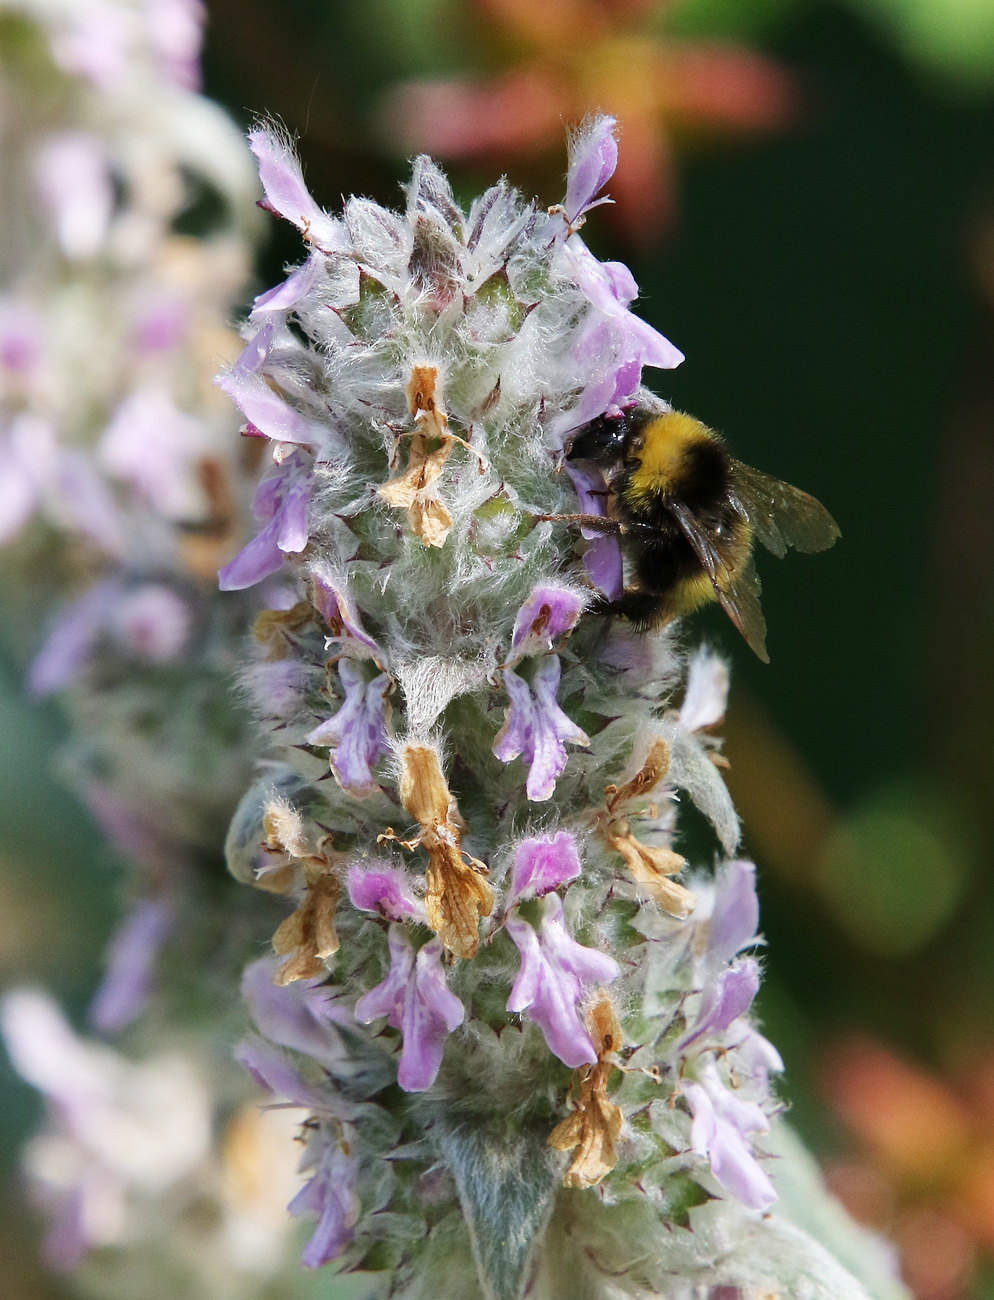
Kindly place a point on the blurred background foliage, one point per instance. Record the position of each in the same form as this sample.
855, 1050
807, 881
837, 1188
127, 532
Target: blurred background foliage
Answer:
807, 200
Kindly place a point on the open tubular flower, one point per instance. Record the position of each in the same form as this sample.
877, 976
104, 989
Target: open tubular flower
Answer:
531, 1033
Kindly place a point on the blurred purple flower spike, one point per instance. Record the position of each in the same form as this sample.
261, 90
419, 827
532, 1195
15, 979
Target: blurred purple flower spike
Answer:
131, 957
331, 1195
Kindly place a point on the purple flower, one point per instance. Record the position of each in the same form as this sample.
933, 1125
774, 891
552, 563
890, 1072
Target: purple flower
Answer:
543, 864
336, 606
357, 735
285, 295
281, 504
331, 1195
548, 613
416, 1000
287, 195
735, 912
725, 999
602, 559
720, 1132
550, 984
301, 1015
384, 889
593, 157
127, 981
269, 413
175, 29
536, 727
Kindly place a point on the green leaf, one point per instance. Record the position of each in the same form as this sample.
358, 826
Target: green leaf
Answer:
507, 1178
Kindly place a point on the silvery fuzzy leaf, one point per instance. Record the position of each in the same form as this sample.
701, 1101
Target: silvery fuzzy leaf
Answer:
507, 1179
692, 770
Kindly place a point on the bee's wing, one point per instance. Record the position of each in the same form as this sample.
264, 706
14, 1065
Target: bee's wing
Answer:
781, 515
737, 588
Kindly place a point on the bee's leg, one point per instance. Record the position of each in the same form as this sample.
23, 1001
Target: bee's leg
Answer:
598, 523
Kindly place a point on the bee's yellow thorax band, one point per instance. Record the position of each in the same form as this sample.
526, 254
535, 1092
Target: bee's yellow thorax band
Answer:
665, 441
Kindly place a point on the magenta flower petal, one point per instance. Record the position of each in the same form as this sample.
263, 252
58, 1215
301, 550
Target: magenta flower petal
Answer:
543, 864
384, 889
555, 970
536, 727
357, 734
548, 613
593, 158
387, 998
286, 193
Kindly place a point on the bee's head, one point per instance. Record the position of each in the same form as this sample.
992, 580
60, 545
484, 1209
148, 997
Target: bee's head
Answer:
602, 439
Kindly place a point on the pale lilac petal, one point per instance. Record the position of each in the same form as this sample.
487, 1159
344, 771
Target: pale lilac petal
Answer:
282, 501
387, 998
273, 1070
593, 157
85, 499
336, 605
719, 1132
548, 613
385, 889
271, 414
276, 689
537, 728
131, 957
73, 175
293, 1015
285, 295
543, 864
66, 1242
356, 736
431, 1013
735, 915
19, 494
331, 1195
725, 999
21, 338
602, 560
555, 970
286, 193
161, 325
706, 691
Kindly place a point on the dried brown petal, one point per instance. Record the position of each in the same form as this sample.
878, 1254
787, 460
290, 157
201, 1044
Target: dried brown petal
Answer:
594, 1126
457, 895
645, 780
651, 868
274, 628
308, 935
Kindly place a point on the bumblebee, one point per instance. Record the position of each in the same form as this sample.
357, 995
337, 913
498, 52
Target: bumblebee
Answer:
691, 515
